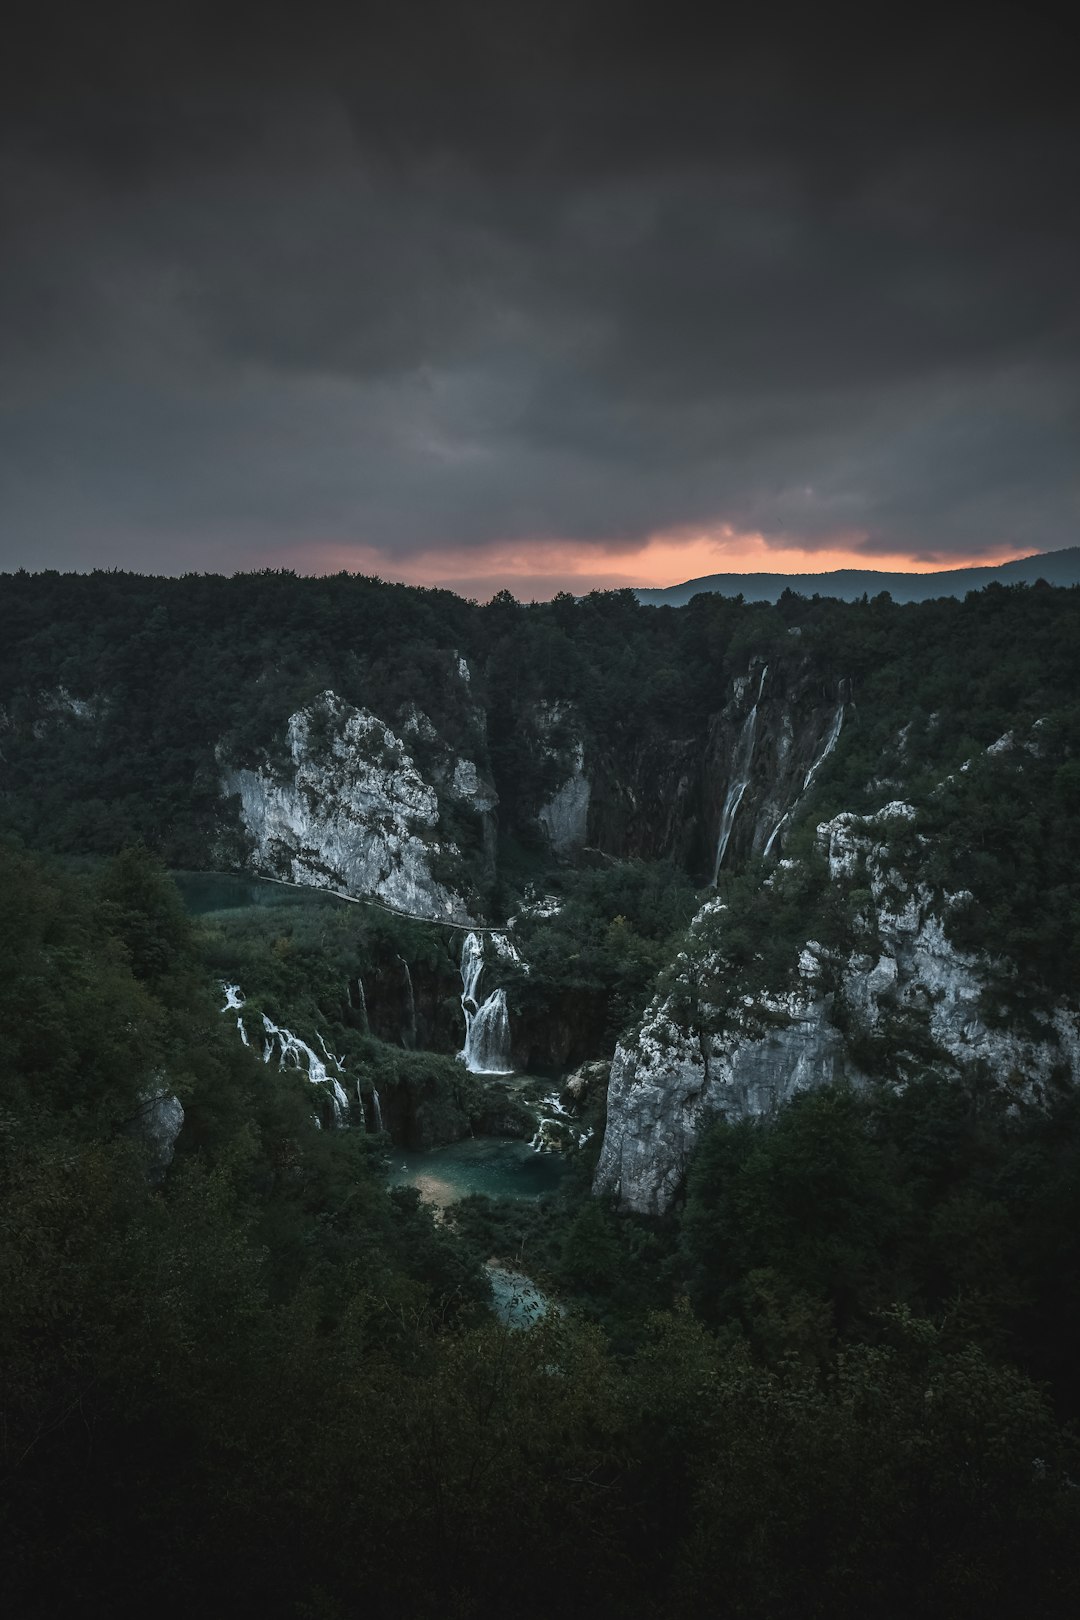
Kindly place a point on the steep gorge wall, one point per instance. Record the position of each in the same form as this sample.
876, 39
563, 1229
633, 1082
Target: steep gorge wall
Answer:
764, 750
898, 998
341, 799
348, 809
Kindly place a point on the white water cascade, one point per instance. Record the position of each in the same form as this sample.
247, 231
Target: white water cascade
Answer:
378, 1109
744, 753
830, 743
487, 1024
295, 1053
557, 1127
233, 1003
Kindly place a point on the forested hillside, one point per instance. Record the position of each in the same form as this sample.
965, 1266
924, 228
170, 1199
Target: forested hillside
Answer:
774, 916
122, 698
263, 1382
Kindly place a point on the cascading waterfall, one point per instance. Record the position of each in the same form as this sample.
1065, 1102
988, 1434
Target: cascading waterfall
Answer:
233, 1003
295, 1053
557, 1126
744, 753
830, 743
472, 966
487, 1042
378, 1109
329, 1056
487, 1025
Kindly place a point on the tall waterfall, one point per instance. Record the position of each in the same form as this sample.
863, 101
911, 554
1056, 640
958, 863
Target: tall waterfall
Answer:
740, 765
358, 1001
830, 743
377, 1108
487, 1024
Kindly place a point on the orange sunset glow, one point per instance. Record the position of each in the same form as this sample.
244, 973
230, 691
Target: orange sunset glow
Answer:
539, 568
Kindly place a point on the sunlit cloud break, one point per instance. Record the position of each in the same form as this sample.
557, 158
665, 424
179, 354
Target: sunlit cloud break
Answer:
537, 569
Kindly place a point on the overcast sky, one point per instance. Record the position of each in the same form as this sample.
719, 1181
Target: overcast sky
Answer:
535, 295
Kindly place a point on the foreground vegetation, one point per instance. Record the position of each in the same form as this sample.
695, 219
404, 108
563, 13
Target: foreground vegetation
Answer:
834, 1383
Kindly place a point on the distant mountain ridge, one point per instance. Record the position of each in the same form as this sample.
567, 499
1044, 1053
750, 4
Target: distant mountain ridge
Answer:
849, 584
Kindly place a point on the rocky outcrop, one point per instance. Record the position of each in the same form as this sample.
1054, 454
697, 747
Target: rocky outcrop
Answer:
586, 1082
157, 1125
565, 816
905, 995
348, 810
913, 976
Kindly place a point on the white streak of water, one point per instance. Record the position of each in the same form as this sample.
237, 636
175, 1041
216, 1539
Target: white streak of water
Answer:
740, 765
487, 1024
830, 743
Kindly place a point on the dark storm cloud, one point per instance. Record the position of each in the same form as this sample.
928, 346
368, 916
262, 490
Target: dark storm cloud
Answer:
474, 273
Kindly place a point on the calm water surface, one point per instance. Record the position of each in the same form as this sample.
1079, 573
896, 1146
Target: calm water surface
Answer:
203, 892
481, 1164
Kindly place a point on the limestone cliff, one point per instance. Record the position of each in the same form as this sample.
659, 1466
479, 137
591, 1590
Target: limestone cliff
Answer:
347, 808
392, 808
563, 816
722, 788
765, 749
897, 996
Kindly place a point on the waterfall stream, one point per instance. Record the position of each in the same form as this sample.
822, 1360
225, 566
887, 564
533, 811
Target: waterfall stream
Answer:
740, 764
233, 1003
295, 1053
487, 1024
830, 743
358, 1002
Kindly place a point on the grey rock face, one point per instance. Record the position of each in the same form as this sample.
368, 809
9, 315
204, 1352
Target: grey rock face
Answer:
909, 984
157, 1124
565, 816
918, 973
350, 812
675, 1075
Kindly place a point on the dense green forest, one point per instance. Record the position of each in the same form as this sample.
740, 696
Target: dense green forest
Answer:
834, 1382
119, 692
838, 1378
